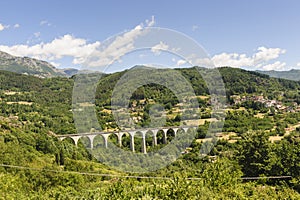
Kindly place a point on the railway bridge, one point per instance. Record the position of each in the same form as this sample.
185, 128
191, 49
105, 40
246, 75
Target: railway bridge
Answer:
132, 133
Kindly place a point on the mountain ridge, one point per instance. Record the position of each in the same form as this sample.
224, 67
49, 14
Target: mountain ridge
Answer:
32, 66
43, 69
293, 74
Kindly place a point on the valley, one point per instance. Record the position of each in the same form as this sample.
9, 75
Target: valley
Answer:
261, 118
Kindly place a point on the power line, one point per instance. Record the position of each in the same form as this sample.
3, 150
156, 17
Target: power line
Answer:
266, 177
84, 173
128, 176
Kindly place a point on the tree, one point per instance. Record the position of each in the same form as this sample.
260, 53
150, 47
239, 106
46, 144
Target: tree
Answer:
253, 153
222, 173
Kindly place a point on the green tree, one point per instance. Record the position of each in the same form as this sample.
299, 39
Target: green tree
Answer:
253, 153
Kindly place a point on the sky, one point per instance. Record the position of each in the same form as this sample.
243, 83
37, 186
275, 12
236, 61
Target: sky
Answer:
253, 35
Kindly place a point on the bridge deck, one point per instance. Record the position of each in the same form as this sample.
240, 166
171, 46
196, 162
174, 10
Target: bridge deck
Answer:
126, 131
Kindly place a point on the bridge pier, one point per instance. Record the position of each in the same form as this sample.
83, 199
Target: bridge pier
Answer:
120, 134
144, 147
185, 129
132, 133
91, 138
105, 137
154, 139
165, 135
75, 139
175, 131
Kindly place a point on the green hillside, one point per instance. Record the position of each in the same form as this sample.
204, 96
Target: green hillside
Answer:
35, 164
237, 81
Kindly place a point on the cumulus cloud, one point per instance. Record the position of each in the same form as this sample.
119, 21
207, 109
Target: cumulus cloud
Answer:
55, 64
298, 64
96, 54
232, 59
118, 47
2, 27
266, 54
275, 66
66, 45
81, 52
113, 51
45, 23
181, 62
150, 22
159, 47
258, 60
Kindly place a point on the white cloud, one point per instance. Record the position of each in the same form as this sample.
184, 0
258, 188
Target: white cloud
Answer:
114, 51
118, 47
195, 27
258, 60
233, 60
37, 34
266, 54
55, 64
298, 64
150, 22
181, 62
2, 27
67, 45
159, 47
274, 66
78, 49
45, 22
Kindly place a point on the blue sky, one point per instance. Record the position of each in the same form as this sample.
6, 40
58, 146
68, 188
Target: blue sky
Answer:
256, 34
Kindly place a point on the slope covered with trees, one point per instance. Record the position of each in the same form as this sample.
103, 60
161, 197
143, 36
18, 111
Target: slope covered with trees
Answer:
35, 164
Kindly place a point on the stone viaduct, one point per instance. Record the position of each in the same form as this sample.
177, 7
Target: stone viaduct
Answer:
132, 133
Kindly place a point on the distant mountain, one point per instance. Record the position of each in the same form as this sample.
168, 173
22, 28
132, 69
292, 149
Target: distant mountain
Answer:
31, 66
43, 69
290, 75
69, 71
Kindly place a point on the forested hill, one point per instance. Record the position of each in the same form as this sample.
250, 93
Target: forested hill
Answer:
241, 81
237, 81
51, 97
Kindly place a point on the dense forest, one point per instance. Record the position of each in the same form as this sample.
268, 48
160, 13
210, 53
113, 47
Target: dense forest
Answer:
35, 164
